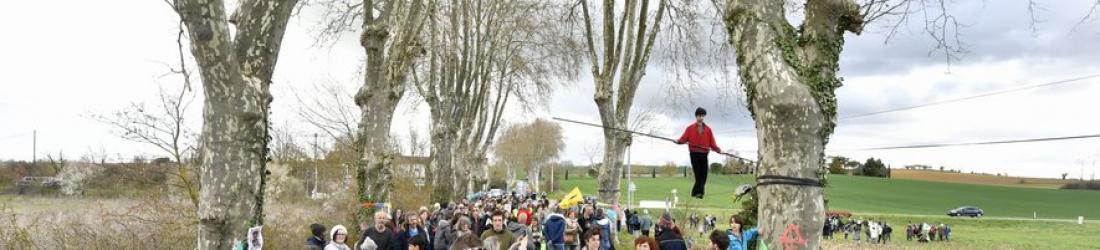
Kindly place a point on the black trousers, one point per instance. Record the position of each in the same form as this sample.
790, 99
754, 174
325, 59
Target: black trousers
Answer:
699, 166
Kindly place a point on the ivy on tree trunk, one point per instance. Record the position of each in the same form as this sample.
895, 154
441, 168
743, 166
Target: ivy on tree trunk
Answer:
236, 75
385, 77
790, 81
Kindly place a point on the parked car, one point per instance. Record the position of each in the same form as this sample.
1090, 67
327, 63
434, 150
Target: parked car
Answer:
966, 211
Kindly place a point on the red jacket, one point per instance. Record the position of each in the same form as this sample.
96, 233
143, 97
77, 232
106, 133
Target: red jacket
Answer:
699, 142
526, 213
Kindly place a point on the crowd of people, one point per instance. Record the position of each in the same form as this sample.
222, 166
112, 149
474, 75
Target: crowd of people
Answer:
879, 231
925, 232
872, 231
523, 222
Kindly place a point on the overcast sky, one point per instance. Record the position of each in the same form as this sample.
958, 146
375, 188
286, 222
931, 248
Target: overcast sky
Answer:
62, 61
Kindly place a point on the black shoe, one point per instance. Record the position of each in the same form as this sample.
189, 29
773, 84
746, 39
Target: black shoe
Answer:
698, 196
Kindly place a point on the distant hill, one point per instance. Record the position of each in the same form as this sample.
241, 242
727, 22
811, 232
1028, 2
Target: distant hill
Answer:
980, 179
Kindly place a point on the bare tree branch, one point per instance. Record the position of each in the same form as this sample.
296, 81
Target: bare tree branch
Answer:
330, 110
1090, 14
940, 24
1033, 10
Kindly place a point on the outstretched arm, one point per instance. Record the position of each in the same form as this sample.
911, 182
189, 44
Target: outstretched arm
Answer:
684, 138
714, 145
749, 234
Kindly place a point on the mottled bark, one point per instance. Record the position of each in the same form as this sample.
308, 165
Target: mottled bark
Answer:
385, 76
630, 58
790, 82
475, 62
236, 75
443, 170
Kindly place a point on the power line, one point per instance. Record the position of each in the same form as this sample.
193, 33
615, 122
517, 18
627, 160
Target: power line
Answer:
972, 97
940, 145
16, 135
1000, 92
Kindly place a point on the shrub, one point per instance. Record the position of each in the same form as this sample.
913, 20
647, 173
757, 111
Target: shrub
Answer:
669, 169
1084, 185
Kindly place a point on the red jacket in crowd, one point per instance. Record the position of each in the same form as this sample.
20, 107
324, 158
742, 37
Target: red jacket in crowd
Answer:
699, 141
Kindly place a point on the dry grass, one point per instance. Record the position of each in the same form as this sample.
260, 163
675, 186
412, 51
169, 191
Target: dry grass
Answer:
937, 176
147, 222
154, 216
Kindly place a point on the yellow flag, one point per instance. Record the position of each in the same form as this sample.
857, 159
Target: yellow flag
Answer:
573, 198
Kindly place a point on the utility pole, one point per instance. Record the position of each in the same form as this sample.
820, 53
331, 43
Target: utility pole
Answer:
1093, 176
316, 152
34, 149
629, 178
552, 167
316, 157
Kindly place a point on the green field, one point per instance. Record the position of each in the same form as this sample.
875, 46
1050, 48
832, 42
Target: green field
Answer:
983, 233
886, 196
1008, 224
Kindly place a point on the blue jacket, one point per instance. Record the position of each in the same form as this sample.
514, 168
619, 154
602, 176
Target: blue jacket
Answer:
741, 243
670, 240
315, 243
605, 233
404, 237
554, 229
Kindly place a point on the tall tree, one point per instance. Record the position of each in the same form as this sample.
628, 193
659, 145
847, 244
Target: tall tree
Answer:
236, 72
530, 146
627, 42
388, 33
836, 164
790, 78
482, 56
384, 82
872, 167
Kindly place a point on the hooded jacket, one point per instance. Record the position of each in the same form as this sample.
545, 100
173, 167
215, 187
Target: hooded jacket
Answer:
520, 230
444, 235
554, 228
646, 222
741, 242
315, 243
605, 225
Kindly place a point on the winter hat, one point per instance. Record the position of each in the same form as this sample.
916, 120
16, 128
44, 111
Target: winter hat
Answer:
337, 229
700, 111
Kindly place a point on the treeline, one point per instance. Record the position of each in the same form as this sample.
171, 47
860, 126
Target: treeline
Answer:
871, 167
1083, 185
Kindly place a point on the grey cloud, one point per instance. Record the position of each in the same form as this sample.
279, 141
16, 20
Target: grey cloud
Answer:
995, 32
